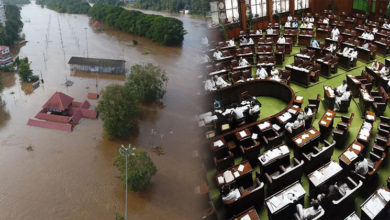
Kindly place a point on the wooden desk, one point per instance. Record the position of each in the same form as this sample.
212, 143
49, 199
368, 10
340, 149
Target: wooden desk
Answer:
325, 174
218, 146
284, 118
345, 62
354, 85
240, 135
346, 44
325, 68
329, 41
318, 51
329, 97
298, 101
364, 54
305, 140
370, 116
301, 56
251, 213
354, 147
322, 33
287, 47
376, 205
274, 157
281, 206
304, 40
382, 48
326, 123
387, 62
247, 169
365, 100
299, 75
263, 127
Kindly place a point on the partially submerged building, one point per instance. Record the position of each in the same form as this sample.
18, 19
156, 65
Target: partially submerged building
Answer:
97, 65
61, 112
5, 56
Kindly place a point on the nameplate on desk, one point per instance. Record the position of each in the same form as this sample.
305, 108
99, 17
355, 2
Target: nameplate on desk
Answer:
329, 114
323, 122
356, 147
246, 217
242, 133
241, 168
312, 132
218, 143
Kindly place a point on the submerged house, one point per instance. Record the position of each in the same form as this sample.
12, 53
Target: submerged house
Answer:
5, 56
61, 112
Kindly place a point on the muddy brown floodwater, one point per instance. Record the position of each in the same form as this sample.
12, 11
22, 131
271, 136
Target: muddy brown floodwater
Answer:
70, 175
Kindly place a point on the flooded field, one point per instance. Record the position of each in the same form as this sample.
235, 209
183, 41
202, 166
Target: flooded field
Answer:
70, 175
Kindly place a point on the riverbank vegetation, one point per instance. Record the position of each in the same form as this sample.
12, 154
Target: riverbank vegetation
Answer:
108, 2
24, 71
10, 33
200, 7
17, 2
66, 6
163, 30
140, 170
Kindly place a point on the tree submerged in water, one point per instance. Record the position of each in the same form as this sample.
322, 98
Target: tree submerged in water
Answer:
141, 169
24, 71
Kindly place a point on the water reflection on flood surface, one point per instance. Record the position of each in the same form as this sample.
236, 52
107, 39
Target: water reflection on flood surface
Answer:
70, 175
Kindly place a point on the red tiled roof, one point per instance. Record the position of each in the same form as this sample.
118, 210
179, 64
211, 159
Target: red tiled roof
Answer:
58, 101
3, 47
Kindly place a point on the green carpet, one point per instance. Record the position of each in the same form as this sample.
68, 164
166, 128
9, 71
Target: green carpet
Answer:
270, 106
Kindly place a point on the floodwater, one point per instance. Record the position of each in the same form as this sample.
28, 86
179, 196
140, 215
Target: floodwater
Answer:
70, 175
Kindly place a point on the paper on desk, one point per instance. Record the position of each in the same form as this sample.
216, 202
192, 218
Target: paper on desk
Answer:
328, 118
246, 217
329, 114
284, 149
299, 140
242, 133
356, 147
312, 132
254, 136
240, 168
384, 194
299, 98
375, 206
305, 136
236, 174
370, 117
221, 180
350, 155
323, 122
275, 202
218, 143
317, 174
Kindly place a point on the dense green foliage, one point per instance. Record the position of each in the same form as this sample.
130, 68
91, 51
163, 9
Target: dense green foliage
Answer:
140, 170
119, 109
149, 81
163, 30
16, 2
24, 71
10, 33
108, 2
195, 6
66, 6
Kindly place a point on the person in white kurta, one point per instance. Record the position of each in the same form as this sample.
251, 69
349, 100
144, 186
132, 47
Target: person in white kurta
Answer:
275, 74
270, 30
243, 62
220, 82
217, 55
261, 73
231, 43
281, 40
341, 89
335, 33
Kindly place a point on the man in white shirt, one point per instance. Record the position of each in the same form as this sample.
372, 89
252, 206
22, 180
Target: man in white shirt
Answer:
335, 33
341, 89
250, 41
353, 55
326, 21
270, 30
309, 213
243, 40
375, 65
281, 40
384, 71
362, 167
311, 20
386, 25
287, 24
275, 74
259, 32
210, 85
233, 195
220, 82
243, 62
344, 97
231, 43
304, 25
370, 36
261, 73
332, 47
309, 25
289, 18
347, 51
314, 43
217, 55
364, 35
295, 24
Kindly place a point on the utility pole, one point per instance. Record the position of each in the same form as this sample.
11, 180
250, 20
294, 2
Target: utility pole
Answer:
86, 39
129, 151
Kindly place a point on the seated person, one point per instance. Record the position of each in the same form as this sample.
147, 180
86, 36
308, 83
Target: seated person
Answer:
259, 32
314, 43
361, 167
386, 25
384, 71
250, 41
217, 54
275, 74
238, 112
230, 195
341, 89
254, 109
335, 33
374, 30
344, 97
295, 24
270, 30
353, 54
217, 104
243, 62
243, 40
309, 25
375, 65
332, 48
370, 36
289, 18
304, 25
346, 51
311, 20
281, 40
261, 73
231, 43
220, 82
290, 125
366, 45
287, 24
209, 85
325, 21
309, 213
